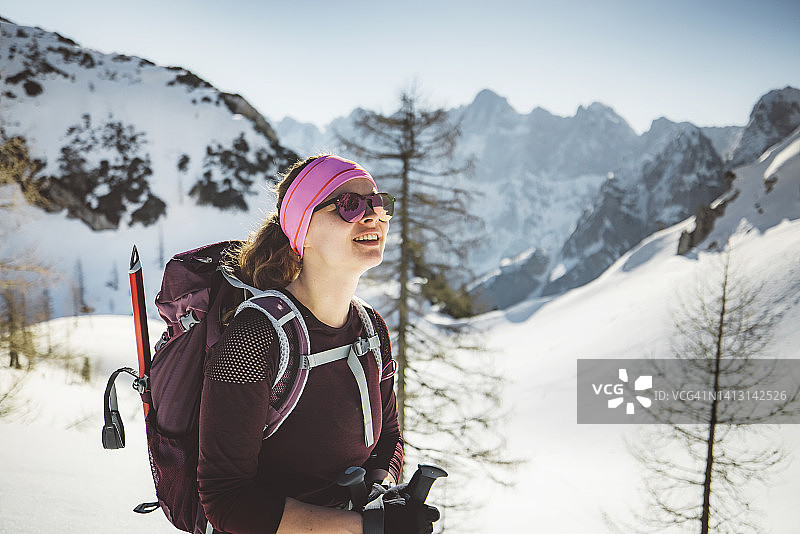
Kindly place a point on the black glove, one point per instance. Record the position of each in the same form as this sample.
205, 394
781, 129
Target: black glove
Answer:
403, 516
376, 491
399, 491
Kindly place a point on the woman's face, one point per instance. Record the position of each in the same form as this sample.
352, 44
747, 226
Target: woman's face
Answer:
339, 245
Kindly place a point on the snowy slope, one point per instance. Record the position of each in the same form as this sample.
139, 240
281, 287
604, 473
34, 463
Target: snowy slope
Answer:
571, 473
765, 192
576, 473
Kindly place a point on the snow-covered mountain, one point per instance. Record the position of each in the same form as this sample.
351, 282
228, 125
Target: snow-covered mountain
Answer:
565, 197
113, 132
128, 151
775, 116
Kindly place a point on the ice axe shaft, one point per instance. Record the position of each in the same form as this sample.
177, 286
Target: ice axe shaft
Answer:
140, 325
425, 476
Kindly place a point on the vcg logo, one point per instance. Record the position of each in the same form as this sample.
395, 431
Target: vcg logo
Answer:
642, 383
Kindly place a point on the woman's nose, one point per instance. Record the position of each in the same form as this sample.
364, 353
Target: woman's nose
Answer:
369, 213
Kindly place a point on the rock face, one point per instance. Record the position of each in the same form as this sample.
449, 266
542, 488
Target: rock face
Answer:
100, 192
503, 287
117, 136
774, 117
704, 219
685, 175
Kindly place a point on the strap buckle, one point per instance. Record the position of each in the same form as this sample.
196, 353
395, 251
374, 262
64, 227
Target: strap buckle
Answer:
141, 384
364, 345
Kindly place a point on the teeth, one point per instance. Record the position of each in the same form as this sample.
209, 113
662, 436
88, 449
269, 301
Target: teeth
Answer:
367, 237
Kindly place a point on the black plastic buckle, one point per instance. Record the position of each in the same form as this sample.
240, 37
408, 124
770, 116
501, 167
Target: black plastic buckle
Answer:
147, 507
142, 385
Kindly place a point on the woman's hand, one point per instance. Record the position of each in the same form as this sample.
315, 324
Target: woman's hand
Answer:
403, 516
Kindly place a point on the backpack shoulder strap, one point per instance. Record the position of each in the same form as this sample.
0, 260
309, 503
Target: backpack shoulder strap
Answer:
235, 282
283, 315
388, 365
369, 326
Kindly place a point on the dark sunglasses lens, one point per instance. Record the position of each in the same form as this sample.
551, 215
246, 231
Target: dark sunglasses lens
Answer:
352, 206
385, 201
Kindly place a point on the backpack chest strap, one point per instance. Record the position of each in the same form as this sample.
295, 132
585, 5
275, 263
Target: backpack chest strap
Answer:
360, 348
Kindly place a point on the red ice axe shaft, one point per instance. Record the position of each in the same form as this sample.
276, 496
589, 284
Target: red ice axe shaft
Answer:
140, 323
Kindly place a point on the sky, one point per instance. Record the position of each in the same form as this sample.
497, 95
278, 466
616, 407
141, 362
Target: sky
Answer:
703, 61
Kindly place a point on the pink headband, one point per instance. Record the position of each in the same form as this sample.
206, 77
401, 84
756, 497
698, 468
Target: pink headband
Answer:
310, 188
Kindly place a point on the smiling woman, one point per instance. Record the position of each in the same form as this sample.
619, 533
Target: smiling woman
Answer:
330, 228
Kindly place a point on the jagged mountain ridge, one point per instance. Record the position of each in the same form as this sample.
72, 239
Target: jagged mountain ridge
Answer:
569, 195
679, 174
685, 175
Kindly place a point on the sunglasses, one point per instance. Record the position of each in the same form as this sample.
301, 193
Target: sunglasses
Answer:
352, 206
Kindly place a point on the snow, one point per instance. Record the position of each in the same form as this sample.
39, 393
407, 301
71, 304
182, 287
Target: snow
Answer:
575, 473
570, 475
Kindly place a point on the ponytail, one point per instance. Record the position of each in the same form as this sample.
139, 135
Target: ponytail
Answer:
266, 260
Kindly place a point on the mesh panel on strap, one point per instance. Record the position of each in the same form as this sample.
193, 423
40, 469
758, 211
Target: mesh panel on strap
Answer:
242, 355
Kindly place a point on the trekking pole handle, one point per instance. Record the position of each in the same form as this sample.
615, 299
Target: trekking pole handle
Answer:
353, 478
427, 475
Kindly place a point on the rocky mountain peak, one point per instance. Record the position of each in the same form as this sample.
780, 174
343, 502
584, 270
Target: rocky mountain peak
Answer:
775, 116
488, 108
488, 99
597, 111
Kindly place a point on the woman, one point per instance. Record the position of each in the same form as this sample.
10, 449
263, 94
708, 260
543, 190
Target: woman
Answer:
330, 228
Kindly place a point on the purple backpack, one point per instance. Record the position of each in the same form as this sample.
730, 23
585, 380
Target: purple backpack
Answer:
195, 293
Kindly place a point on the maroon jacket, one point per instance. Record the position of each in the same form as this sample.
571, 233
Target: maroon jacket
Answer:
244, 479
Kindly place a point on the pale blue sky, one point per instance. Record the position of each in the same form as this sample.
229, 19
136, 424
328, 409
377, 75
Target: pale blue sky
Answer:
705, 61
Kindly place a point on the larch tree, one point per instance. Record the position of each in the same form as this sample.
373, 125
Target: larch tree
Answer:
707, 449
447, 392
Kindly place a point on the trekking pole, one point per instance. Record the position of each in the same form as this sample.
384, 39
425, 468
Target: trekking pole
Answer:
427, 476
140, 323
353, 478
